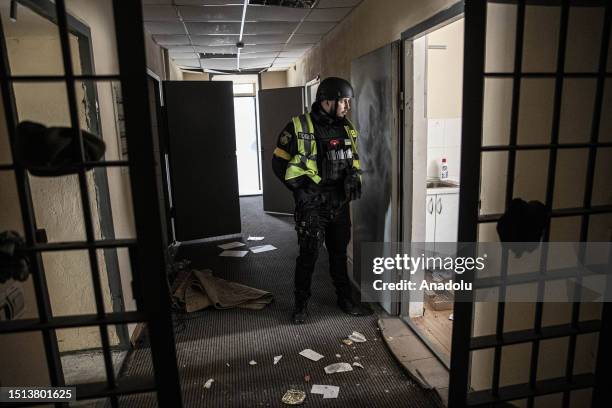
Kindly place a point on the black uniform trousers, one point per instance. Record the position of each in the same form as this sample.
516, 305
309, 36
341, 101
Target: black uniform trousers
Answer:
337, 236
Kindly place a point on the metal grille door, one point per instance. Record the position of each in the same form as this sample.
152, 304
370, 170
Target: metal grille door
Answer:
509, 67
147, 250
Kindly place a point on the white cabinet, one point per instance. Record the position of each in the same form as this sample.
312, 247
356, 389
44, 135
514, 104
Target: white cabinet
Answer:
442, 217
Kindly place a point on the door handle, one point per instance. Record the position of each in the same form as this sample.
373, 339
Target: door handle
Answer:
439, 208
430, 205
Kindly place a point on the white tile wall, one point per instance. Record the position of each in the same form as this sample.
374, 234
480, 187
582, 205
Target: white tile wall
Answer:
444, 141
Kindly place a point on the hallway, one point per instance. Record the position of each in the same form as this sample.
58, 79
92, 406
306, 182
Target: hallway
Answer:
210, 340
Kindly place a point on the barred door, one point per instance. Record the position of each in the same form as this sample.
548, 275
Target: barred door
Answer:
147, 250
536, 113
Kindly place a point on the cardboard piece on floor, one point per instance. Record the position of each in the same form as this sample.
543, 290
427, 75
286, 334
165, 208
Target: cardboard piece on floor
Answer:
250, 238
311, 354
231, 245
234, 254
262, 248
328, 391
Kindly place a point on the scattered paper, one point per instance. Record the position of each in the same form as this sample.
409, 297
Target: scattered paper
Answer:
250, 238
356, 364
450, 316
311, 354
348, 342
294, 397
328, 391
231, 245
208, 383
338, 356
252, 362
356, 358
357, 337
227, 364
338, 368
234, 254
277, 359
262, 248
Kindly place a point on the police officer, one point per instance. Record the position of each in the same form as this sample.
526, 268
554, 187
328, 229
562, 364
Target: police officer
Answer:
316, 158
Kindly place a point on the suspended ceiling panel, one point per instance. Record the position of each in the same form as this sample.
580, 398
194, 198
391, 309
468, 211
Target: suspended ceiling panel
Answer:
166, 27
225, 64
275, 33
275, 13
262, 48
211, 13
213, 28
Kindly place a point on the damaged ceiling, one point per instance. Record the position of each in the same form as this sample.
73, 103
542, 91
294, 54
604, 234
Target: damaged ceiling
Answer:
202, 34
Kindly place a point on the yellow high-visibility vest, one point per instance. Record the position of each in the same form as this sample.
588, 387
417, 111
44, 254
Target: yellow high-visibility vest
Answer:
304, 162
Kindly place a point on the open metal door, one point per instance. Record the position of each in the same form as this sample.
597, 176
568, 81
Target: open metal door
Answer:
147, 251
490, 73
203, 171
375, 114
276, 108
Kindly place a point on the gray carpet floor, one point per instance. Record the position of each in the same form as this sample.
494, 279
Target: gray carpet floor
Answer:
219, 344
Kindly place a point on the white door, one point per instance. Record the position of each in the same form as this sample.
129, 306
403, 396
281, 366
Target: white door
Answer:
446, 207
430, 218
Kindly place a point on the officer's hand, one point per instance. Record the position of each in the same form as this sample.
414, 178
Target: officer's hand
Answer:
352, 185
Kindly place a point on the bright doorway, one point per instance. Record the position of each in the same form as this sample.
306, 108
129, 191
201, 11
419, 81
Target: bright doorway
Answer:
247, 132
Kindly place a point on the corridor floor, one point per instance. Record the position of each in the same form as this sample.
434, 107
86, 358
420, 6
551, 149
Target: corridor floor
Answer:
219, 344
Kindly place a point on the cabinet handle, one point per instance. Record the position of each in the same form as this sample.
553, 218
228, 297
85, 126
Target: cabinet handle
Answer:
430, 205
439, 209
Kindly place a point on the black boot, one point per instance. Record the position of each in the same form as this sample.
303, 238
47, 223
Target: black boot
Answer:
351, 308
300, 312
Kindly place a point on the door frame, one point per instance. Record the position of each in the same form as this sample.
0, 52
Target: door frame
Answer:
407, 182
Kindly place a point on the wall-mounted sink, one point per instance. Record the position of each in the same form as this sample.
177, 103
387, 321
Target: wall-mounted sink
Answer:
441, 184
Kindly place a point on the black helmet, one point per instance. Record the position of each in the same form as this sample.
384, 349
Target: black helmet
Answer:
333, 88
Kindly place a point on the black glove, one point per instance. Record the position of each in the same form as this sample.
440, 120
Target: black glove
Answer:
352, 185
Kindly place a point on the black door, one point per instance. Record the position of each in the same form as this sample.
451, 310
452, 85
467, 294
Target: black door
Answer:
203, 172
276, 108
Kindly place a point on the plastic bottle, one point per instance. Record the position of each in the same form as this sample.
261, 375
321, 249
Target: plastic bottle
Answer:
444, 170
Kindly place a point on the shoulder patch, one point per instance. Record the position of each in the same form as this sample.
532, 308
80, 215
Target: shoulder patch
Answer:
285, 138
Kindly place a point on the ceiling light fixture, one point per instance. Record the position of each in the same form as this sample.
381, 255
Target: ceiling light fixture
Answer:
240, 44
13, 12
